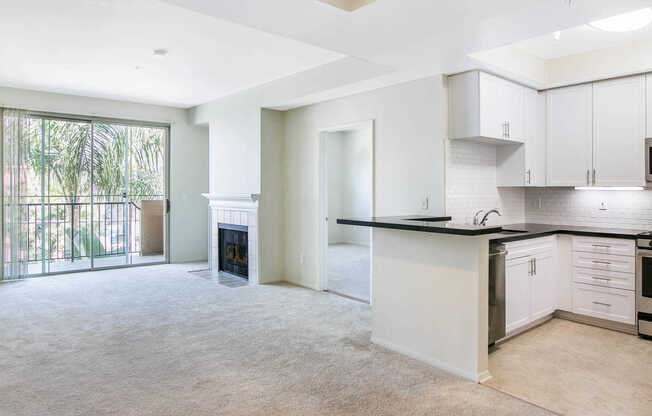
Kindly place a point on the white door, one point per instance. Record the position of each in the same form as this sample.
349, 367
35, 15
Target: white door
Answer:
534, 121
619, 132
569, 136
544, 291
517, 293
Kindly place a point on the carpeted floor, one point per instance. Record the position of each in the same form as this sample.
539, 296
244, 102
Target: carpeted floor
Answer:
349, 270
161, 341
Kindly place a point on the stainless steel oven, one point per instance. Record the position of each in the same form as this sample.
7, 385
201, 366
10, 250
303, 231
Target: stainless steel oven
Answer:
648, 161
644, 284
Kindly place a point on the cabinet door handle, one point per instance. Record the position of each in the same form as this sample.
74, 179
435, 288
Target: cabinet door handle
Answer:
601, 245
509, 130
587, 177
601, 278
601, 303
593, 176
529, 267
601, 262
535, 266
529, 177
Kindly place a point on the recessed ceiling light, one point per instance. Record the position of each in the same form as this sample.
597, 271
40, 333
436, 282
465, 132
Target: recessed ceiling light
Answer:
348, 5
626, 22
159, 53
556, 35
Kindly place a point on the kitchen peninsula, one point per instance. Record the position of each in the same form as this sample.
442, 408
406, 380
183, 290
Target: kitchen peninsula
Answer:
430, 290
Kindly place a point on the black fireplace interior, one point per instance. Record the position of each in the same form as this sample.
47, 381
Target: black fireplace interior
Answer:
234, 247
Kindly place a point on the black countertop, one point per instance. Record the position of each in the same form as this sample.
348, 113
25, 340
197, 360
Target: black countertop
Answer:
441, 225
503, 234
541, 230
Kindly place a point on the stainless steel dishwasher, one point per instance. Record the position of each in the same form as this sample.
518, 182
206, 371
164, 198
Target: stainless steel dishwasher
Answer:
497, 253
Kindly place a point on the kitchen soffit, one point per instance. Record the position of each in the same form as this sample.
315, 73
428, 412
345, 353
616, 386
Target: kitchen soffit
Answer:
348, 5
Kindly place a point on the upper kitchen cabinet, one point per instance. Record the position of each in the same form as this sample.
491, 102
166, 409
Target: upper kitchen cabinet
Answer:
569, 136
525, 165
619, 132
485, 108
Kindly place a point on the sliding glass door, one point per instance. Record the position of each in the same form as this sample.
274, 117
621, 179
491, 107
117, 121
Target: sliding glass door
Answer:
81, 194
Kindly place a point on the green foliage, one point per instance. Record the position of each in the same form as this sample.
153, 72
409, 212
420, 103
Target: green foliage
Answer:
68, 154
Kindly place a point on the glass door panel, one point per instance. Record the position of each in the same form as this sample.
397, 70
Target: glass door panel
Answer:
66, 193
109, 194
147, 195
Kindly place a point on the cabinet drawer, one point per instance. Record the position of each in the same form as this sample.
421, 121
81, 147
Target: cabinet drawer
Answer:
614, 246
594, 261
530, 247
606, 303
604, 278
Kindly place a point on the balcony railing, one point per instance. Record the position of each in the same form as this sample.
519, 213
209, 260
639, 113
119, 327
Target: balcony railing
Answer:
69, 231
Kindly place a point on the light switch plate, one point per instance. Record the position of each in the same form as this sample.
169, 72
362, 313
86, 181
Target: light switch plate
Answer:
603, 206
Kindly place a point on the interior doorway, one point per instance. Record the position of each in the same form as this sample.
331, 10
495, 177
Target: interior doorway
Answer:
346, 192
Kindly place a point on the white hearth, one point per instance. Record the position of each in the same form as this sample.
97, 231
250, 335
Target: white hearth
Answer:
234, 209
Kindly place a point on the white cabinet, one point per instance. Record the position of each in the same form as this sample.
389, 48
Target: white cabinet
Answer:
604, 278
605, 303
530, 290
595, 134
525, 164
544, 294
569, 136
619, 132
517, 293
482, 106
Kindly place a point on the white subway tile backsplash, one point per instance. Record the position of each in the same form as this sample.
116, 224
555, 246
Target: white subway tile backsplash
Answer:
471, 184
566, 206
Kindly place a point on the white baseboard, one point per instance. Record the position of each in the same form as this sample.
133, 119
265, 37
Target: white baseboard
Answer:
469, 375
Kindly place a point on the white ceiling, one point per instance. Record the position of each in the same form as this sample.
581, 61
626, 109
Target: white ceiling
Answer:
94, 47
217, 47
580, 39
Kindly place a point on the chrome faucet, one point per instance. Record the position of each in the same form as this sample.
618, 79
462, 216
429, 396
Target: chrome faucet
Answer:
476, 220
493, 211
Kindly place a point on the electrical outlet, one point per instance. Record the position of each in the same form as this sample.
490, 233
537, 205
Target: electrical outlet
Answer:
302, 258
425, 202
539, 203
603, 206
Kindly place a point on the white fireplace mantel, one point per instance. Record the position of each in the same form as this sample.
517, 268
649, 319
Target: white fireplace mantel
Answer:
242, 201
234, 209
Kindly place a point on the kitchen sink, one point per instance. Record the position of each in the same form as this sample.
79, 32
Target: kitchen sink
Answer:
512, 231
430, 219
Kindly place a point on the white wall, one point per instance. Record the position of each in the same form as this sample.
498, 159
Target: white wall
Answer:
349, 164
408, 161
188, 158
471, 185
271, 205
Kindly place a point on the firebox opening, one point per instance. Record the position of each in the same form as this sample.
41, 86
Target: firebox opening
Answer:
233, 250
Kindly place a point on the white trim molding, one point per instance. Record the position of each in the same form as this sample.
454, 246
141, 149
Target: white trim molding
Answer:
234, 209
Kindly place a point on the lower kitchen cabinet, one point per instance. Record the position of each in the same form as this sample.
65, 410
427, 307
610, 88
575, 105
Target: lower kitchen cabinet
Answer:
605, 303
530, 291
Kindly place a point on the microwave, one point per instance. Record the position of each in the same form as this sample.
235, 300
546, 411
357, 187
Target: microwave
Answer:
648, 162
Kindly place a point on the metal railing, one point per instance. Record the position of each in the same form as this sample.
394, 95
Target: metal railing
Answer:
72, 231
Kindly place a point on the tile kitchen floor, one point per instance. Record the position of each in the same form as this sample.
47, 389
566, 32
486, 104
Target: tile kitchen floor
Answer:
576, 369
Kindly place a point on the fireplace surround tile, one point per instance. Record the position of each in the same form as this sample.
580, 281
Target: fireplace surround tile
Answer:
238, 209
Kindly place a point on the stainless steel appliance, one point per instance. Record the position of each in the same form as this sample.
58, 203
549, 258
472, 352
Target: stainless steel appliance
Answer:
648, 161
644, 283
497, 253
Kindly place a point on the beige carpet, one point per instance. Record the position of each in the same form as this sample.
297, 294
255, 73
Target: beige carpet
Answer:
576, 369
162, 341
349, 270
